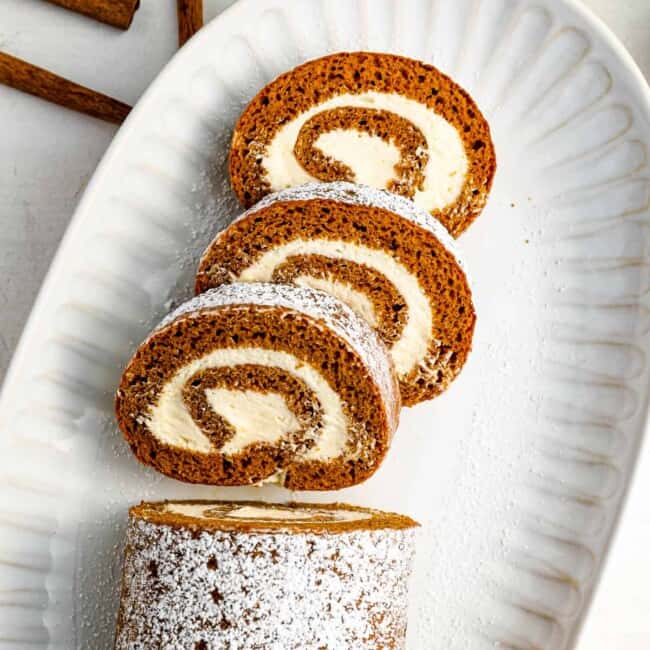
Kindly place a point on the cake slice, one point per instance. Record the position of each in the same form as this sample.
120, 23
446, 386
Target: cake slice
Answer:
200, 575
258, 382
377, 119
390, 261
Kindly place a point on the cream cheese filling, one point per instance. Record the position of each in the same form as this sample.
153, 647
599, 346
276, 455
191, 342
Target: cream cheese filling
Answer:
255, 416
412, 346
263, 513
170, 421
345, 292
355, 149
444, 174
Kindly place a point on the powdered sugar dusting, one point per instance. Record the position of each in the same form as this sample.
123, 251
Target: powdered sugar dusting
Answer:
320, 306
284, 590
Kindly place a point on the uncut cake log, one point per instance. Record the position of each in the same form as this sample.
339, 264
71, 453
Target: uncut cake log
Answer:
258, 382
391, 262
207, 575
376, 119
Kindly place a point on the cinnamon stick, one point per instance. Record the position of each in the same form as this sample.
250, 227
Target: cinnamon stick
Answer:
41, 83
190, 19
118, 13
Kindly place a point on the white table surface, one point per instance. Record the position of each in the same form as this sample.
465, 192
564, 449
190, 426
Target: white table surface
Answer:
48, 154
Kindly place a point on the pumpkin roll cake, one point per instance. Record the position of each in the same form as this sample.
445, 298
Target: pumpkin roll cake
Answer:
390, 261
204, 575
377, 119
256, 382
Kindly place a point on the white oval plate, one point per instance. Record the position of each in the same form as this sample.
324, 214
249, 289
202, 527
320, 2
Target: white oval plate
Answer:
517, 472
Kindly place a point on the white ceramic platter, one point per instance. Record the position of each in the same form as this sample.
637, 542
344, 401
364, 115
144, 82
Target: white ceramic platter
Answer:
518, 472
